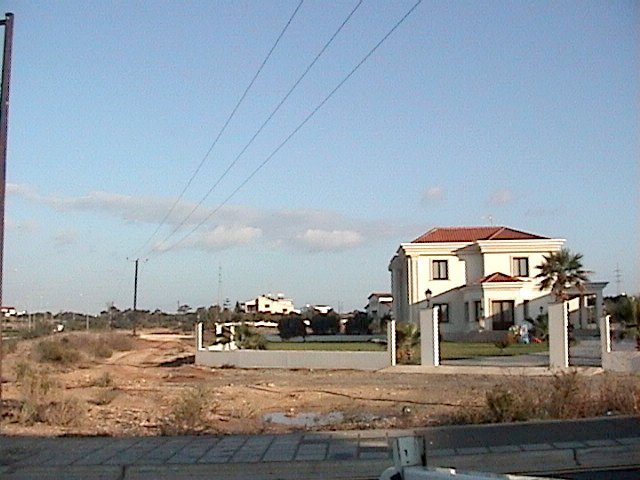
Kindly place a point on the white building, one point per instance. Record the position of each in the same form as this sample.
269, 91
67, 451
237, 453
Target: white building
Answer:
269, 304
380, 304
482, 278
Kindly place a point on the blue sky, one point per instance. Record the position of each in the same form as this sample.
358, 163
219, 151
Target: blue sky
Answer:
520, 113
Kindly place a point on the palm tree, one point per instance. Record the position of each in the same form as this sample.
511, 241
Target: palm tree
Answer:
560, 271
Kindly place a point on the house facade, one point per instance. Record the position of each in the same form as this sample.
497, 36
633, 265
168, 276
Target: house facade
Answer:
379, 305
269, 304
481, 278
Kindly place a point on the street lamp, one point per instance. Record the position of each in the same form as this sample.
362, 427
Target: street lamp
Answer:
427, 295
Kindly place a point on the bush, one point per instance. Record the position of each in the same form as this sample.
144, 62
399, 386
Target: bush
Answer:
292, 326
104, 380
328, 324
105, 397
249, 339
67, 412
189, 413
36, 388
358, 325
57, 351
407, 341
564, 396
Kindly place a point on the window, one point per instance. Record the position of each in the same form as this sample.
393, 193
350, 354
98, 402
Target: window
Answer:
521, 267
503, 316
466, 311
525, 309
478, 310
444, 312
440, 270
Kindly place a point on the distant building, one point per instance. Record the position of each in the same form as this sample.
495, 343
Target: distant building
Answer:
380, 305
269, 304
8, 311
321, 309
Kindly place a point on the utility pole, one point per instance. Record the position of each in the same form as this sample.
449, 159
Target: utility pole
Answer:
4, 127
135, 295
135, 287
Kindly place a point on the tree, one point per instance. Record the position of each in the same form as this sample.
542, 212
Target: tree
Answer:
560, 271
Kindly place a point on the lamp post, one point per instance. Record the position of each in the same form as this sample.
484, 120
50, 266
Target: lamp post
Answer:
427, 296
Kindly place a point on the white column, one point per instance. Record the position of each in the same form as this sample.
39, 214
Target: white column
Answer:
558, 338
605, 335
391, 341
429, 337
199, 335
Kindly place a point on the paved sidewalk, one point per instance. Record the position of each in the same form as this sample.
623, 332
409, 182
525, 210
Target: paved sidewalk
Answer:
533, 448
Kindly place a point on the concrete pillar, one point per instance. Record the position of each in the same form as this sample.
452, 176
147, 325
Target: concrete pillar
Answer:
597, 309
199, 336
429, 337
582, 315
605, 335
391, 341
558, 338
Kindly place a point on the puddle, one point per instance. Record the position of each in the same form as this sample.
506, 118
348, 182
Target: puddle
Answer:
305, 419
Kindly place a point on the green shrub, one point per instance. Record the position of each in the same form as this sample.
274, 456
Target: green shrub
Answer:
358, 325
328, 324
249, 339
291, 326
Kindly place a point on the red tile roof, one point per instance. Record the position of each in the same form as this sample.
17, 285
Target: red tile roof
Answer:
473, 234
498, 277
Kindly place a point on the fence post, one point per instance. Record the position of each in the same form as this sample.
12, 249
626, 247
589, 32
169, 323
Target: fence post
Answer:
391, 341
558, 338
199, 335
429, 337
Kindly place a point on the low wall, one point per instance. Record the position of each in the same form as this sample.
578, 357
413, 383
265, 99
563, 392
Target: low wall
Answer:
294, 359
623, 362
319, 359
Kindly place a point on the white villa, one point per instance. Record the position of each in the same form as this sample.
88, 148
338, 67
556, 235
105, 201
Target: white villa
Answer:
482, 279
380, 304
269, 304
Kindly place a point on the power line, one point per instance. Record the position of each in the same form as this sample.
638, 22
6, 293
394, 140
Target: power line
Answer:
298, 128
224, 127
264, 124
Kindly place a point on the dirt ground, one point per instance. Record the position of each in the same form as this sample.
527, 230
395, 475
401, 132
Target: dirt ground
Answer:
145, 383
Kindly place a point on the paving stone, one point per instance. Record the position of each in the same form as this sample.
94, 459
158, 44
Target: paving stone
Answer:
629, 440
441, 452
531, 447
472, 450
311, 452
504, 449
569, 444
601, 443
374, 455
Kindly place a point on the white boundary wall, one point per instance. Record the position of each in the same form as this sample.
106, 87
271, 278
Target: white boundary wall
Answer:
623, 362
333, 360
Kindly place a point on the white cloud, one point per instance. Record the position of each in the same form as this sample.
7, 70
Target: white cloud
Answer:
434, 194
220, 238
65, 238
323, 240
501, 197
230, 225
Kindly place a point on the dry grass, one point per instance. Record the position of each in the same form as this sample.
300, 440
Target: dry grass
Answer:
72, 348
189, 413
564, 396
42, 400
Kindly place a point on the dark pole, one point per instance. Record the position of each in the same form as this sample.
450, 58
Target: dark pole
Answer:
135, 287
4, 111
